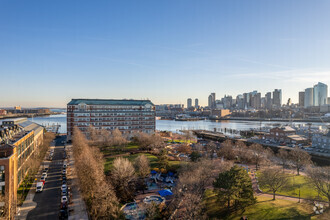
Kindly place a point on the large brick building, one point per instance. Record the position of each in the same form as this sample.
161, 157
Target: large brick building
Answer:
127, 115
19, 139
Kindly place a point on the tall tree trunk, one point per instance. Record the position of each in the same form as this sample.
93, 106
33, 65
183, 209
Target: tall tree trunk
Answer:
273, 195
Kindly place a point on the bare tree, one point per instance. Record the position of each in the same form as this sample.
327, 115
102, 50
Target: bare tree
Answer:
149, 142
258, 154
141, 165
283, 157
320, 177
226, 150
300, 158
184, 148
117, 138
99, 194
123, 178
274, 179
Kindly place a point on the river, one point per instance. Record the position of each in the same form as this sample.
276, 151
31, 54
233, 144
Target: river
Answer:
175, 126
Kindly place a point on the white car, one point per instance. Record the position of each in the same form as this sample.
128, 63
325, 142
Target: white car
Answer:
44, 174
40, 186
64, 199
64, 187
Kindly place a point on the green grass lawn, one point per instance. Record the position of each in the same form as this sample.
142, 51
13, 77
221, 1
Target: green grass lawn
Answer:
307, 190
182, 141
265, 208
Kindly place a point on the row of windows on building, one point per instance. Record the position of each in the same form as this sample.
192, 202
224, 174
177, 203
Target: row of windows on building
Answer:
114, 119
108, 106
121, 128
111, 114
105, 124
24, 145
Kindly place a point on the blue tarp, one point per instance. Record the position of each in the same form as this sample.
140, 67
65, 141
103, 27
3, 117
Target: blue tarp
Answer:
170, 173
153, 172
165, 192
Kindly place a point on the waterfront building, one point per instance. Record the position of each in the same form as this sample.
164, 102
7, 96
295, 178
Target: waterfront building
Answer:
277, 98
301, 99
189, 103
19, 140
196, 103
128, 116
309, 97
320, 94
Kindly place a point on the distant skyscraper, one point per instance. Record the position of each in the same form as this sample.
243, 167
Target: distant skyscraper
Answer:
189, 103
213, 99
301, 99
268, 98
196, 103
277, 97
240, 102
320, 94
308, 101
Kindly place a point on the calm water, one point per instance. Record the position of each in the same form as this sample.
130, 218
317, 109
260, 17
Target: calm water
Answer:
174, 126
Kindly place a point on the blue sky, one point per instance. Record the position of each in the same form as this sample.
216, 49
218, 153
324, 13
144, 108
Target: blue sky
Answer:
167, 51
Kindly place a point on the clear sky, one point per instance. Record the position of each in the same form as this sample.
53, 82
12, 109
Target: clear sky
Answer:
166, 50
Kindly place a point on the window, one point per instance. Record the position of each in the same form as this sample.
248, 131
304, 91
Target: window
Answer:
2, 173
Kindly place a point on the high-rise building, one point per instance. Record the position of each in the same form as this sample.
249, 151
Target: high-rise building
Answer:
301, 99
126, 115
189, 103
277, 97
328, 100
240, 102
196, 103
210, 101
320, 94
256, 100
213, 99
308, 101
268, 99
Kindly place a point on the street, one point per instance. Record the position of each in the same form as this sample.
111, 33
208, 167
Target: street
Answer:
48, 201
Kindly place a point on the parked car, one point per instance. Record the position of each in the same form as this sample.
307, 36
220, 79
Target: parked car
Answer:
64, 199
40, 187
44, 174
64, 192
64, 187
63, 214
43, 179
64, 177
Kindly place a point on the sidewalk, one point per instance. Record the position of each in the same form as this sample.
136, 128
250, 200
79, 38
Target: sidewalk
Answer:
28, 203
77, 207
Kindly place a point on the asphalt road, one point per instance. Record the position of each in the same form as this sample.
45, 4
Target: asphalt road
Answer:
48, 201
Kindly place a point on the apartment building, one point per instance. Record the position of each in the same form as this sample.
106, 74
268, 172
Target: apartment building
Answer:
127, 115
19, 139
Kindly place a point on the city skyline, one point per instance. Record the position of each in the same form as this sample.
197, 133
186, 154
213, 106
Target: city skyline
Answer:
165, 51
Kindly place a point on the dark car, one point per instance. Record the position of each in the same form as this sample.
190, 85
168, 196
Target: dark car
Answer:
63, 214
